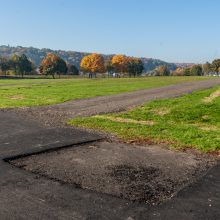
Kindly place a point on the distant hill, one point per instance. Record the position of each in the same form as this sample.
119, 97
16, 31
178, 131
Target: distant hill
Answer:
36, 55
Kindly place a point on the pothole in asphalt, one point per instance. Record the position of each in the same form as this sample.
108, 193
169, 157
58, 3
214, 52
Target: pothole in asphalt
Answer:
149, 174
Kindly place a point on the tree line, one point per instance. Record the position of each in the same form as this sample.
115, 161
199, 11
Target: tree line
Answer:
50, 65
90, 64
199, 70
117, 65
21, 65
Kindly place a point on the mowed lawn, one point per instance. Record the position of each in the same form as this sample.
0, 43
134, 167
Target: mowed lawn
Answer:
189, 121
35, 92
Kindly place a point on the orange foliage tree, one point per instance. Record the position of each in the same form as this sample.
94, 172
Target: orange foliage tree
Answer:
178, 72
162, 71
92, 64
52, 64
120, 63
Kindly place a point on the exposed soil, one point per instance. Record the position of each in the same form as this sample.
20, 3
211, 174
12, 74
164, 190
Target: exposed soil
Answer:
57, 115
149, 174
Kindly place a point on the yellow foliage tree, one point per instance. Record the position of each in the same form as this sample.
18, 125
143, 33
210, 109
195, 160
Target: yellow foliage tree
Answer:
92, 64
120, 63
178, 72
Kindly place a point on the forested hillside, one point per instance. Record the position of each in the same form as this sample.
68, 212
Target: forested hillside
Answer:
36, 55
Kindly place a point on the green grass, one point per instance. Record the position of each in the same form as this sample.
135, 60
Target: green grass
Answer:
21, 81
29, 92
180, 122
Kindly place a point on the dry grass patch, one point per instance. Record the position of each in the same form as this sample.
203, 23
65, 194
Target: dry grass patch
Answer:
126, 120
212, 96
208, 128
161, 111
16, 97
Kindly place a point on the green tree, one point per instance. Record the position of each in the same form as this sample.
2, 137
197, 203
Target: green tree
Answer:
72, 69
196, 70
21, 64
109, 67
207, 68
187, 72
135, 66
215, 65
24, 65
4, 65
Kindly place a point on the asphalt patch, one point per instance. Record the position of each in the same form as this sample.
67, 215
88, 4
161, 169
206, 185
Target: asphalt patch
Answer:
136, 173
138, 183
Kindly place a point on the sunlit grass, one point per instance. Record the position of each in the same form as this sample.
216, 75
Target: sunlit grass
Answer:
182, 122
31, 93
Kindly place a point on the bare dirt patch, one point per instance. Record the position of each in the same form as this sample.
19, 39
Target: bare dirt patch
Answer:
149, 174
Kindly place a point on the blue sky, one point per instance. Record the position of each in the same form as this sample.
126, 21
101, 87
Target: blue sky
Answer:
171, 30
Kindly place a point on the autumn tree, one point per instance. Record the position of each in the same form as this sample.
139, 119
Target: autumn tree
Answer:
162, 71
120, 63
92, 64
53, 64
178, 72
135, 66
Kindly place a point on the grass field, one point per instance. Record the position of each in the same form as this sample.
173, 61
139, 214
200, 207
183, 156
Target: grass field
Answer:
35, 92
22, 81
189, 121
